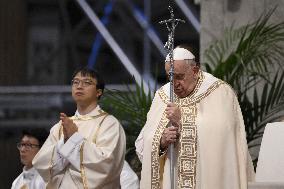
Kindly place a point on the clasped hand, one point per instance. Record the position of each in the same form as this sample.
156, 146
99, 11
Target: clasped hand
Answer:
69, 127
173, 114
171, 134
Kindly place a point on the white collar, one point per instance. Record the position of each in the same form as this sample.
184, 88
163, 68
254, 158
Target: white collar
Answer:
94, 112
29, 174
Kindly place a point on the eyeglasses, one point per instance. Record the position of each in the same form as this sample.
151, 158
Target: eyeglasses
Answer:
27, 146
84, 83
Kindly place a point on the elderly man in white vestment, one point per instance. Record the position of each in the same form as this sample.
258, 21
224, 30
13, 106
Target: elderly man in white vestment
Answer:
207, 131
86, 150
31, 141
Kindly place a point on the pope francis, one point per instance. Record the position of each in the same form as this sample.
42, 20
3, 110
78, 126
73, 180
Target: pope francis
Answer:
207, 131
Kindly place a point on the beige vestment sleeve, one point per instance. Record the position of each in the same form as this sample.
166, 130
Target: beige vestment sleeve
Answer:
155, 111
103, 161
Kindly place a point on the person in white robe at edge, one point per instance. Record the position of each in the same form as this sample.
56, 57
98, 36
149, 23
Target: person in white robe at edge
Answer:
86, 150
207, 130
128, 178
31, 141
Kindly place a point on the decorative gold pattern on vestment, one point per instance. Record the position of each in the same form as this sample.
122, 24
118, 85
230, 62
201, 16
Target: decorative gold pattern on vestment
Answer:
82, 169
187, 147
155, 172
87, 117
187, 156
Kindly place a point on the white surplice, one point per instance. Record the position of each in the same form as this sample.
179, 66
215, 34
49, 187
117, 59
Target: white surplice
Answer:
30, 179
91, 158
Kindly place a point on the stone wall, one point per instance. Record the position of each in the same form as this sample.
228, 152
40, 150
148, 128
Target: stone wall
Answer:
216, 15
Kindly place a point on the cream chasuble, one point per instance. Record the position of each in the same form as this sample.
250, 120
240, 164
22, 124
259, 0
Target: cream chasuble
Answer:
212, 151
91, 158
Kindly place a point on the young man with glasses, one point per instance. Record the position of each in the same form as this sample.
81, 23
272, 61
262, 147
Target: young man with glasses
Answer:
31, 141
86, 150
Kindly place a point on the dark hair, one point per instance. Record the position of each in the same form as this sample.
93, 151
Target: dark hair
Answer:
85, 71
39, 133
189, 48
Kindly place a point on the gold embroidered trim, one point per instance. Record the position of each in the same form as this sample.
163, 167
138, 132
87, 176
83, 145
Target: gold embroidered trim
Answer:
51, 163
187, 156
190, 99
86, 117
60, 131
82, 168
187, 149
163, 96
214, 86
155, 171
97, 131
24, 186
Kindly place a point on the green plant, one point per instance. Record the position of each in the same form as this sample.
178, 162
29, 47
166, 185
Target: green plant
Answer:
265, 107
250, 59
131, 108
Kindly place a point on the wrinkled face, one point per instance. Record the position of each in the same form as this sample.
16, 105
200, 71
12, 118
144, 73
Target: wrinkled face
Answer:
29, 146
84, 89
185, 77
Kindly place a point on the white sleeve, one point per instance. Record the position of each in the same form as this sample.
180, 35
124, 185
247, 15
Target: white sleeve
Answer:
128, 178
70, 151
17, 181
49, 161
13, 185
59, 162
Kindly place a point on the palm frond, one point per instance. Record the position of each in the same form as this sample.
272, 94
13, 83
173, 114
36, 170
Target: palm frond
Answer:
248, 58
266, 106
246, 51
